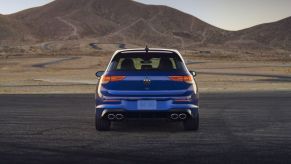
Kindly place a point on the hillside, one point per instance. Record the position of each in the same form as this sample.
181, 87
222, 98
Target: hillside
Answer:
12, 30
276, 34
118, 21
129, 22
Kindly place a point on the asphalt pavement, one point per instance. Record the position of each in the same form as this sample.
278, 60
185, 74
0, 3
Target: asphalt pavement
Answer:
251, 127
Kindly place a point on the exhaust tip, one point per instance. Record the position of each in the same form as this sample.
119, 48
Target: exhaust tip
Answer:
111, 116
182, 116
174, 116
119, 116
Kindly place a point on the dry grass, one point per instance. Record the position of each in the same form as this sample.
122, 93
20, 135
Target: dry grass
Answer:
64, 74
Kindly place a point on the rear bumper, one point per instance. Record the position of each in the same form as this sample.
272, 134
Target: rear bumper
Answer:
161, 105
164, 107
103, 113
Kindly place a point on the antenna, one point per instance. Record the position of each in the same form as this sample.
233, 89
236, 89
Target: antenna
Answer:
147, 49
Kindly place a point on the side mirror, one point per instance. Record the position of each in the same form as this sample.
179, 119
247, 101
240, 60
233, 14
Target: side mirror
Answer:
193, 73
99, 73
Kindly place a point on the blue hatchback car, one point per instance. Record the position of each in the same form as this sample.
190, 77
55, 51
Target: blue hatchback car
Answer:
147, 83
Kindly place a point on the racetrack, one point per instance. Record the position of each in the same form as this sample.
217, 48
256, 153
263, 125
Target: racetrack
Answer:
252, 127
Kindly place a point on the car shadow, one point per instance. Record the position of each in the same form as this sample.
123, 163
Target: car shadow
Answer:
148, 125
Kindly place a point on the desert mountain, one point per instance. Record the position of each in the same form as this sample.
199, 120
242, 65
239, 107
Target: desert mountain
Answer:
13, 30
117, 21
276, 34
126, 21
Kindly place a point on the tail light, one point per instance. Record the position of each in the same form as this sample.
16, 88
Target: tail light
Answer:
107, 79
187, 79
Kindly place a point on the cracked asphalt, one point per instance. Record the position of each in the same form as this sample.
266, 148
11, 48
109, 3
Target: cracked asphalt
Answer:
246, 127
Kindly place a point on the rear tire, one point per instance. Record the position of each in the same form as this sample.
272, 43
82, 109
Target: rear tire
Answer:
192, 123
102, 124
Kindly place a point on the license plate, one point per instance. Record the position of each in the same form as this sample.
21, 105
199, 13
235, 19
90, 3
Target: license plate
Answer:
147, 104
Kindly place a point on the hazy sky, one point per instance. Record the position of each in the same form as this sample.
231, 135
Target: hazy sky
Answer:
226, 14
12, 6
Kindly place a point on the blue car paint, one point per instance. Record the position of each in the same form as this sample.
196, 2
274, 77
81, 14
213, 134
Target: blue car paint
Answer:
132, 89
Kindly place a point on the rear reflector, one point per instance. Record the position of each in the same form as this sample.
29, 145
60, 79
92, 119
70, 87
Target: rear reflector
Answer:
107, 79
187, 79
112, 101
182, 100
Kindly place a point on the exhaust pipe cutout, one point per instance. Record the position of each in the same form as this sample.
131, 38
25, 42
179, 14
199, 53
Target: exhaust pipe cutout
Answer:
174, 116
119, 116
111, 116
182, 116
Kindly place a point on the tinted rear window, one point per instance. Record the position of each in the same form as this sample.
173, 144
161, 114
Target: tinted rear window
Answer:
147, 62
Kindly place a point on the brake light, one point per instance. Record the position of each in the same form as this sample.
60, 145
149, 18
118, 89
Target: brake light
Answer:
107, 79
187, 79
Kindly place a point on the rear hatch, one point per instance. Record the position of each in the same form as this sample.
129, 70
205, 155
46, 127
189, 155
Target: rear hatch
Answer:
147, 75
147, 84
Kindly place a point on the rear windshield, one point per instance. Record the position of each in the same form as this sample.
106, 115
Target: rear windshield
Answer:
147, 62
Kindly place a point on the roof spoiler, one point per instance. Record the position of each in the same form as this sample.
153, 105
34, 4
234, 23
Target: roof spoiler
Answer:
147, 49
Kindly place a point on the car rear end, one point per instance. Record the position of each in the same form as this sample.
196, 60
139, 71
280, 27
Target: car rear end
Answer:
146, 84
